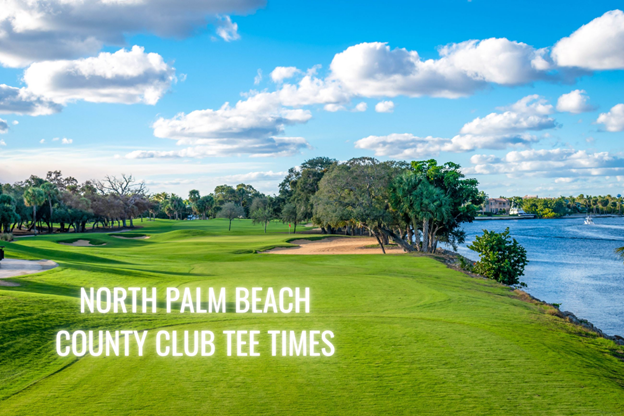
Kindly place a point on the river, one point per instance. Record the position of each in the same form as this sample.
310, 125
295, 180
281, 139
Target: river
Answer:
569, 263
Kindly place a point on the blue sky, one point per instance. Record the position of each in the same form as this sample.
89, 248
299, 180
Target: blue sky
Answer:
154, 110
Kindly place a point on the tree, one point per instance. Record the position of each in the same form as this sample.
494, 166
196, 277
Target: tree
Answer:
33, 197
262, 211
126, 188
230, 210
500, 257
302, 183
464, 199
289, 215
433, 208
204, 204
357, 192
51, 191
193, 198
8, 215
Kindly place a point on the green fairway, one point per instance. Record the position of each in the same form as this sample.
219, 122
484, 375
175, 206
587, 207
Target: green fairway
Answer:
411, 335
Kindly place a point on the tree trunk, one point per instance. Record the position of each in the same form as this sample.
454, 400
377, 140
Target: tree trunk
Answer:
425, 244
265, 225
51, 219
230, 227
295, 231
380, 243
323, 230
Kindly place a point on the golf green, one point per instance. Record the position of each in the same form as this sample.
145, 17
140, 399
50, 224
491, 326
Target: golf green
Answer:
411, 335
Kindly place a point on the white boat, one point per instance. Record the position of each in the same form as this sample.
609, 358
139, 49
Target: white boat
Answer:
589, 221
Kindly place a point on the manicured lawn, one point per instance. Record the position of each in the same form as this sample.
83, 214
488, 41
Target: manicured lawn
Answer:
411, 335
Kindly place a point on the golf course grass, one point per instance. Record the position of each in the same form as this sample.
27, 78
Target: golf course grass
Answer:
411, 335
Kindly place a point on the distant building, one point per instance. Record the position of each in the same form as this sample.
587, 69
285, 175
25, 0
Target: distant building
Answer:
530, 197
496, 205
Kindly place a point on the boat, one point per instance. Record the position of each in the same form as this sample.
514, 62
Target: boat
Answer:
589, 221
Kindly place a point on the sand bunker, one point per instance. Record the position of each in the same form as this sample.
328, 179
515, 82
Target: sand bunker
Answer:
143, 237
82, 243
14, 268
335, 245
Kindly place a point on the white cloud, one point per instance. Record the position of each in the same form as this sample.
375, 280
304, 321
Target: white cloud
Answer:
361, 107
126, 77
67, 141
558, 163
574, 102
374, 70
614, 119
15, 122
226, 29
266, 147
509, 122
42, 141
4, 127
494, 131
403, 146
598, 45
531, 104
258, 77
22, 101
281, 73
39, 30
384, 107
2, 142
56, 139
332, 108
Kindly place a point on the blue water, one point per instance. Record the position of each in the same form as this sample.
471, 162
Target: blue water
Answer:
570, 263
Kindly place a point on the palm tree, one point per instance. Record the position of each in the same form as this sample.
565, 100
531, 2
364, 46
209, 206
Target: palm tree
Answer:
33, 197
430, 203
50, 191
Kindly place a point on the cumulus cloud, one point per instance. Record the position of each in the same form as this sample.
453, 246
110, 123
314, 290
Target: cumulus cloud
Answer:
40, 30
281, 73
332, 108
531, 104
598, 45
126, 77
375, 70
558, 163
226, 29
4, 127
614, 119
251, 127
574, 102
403, 146
384, 107
67, 141
494, 131
22, 101
361, 107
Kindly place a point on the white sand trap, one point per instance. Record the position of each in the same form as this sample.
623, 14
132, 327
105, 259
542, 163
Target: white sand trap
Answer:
335, 245
82, 243
14, 268
144, 237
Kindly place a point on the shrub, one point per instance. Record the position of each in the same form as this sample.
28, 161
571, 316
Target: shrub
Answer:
6, 236
500, 257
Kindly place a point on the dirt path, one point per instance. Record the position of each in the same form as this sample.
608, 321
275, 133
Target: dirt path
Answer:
334, 245
14, 268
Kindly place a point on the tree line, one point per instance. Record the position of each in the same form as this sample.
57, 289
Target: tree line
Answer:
415, 205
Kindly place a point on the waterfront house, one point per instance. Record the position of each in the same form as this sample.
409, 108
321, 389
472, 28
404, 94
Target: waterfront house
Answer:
496, 205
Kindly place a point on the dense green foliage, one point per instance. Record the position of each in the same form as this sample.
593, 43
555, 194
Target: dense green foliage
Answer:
412, 336
500, 257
